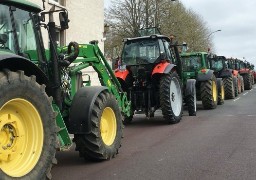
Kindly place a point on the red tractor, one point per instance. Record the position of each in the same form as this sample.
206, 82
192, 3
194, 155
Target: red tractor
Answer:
147, 72
244, 70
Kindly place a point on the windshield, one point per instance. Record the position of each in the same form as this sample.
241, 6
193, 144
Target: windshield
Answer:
191, 63
216, 64
17, 36
142, 51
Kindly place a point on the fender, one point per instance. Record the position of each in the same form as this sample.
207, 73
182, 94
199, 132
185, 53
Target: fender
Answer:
190, 87
226, 73
81, 109
163, 68
235, 73
121, 74
14, 63
204, 76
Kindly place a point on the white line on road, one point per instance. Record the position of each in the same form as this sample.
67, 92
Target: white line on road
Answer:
236, 99
251, 115
245, 93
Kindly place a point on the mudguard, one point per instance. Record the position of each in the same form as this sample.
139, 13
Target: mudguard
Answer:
121, 74
204, 76
81, 109
163, 68
190, 87
14, 63
226, 73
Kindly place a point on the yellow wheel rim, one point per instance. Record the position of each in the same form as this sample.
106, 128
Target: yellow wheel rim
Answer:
21, 137
222, 92
214, 91
108, 126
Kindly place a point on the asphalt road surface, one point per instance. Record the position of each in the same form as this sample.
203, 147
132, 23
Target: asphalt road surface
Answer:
216, 144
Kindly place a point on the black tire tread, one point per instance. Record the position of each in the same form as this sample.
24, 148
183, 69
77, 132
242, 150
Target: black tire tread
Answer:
18, 85
207, 94
91, 146
229, 88
165, 102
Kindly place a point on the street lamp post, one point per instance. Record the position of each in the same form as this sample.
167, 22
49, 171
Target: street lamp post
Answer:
213, 33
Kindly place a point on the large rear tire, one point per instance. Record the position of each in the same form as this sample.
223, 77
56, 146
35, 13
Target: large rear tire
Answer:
247, 81
235, 83
27, 128
171, 97
221, 92
229, 88
209, 93
104, 140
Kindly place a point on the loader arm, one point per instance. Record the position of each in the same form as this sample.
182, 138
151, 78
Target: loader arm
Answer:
91, 55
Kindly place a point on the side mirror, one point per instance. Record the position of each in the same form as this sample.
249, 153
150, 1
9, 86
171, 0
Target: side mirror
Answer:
63, 20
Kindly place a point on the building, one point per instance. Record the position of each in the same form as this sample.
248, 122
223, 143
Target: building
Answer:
86, 24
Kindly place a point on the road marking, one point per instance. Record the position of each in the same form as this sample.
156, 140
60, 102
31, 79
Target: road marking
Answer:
251, 89
236, 99
245, 93
251, 115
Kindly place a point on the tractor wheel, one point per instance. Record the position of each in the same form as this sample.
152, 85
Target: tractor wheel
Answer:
221, 92
247, 82
104, 140
191, 103
239, 84
242, 83
171, 98
229, 88
209, 93
27, 128
235, 83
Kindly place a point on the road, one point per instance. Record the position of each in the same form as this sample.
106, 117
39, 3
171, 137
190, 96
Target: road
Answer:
216, 144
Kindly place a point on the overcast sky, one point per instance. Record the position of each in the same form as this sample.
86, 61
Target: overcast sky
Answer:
237, 21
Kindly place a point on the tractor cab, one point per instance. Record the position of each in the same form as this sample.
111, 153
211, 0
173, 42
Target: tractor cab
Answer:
147, 63
194, 63
142, 54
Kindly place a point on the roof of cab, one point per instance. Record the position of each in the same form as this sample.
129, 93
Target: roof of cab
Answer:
156, 36
22, 4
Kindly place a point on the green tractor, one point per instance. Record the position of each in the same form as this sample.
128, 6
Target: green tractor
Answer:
233, 82
43, 97
209, 89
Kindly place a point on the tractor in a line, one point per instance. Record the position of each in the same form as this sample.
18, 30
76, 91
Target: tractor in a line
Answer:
233, 81
149, 73
43, 97
244, 70
209, 89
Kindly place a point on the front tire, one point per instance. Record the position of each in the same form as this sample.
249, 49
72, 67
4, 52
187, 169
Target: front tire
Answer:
171, 97
27, 128
104, 140
247, 81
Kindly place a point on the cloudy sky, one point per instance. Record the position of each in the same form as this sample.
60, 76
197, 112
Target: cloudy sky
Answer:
237, 21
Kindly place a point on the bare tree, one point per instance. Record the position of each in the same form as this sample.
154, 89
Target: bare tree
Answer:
126, 17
